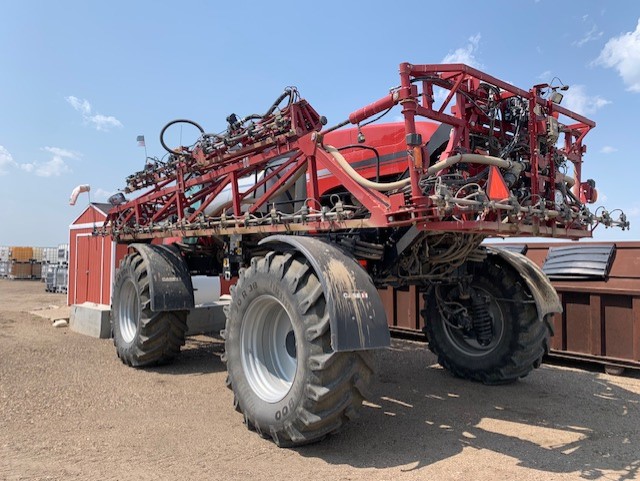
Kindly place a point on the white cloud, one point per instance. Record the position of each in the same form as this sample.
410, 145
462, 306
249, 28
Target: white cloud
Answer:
104, 122
592, 34
623, 54
546, 75
100, 122
53, 167
607, 149
82, 106
64, 153
633, 211
576, 99
466, 54
102, 195
6, 161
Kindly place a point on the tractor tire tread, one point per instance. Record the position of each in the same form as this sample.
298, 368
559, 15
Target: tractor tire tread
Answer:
335, 381
529, 346
161, 334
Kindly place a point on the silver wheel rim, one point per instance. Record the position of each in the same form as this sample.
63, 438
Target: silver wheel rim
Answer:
269, 350
469, 345
128, 311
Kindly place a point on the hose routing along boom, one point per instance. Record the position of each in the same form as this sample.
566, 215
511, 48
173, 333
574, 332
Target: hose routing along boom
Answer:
511, 164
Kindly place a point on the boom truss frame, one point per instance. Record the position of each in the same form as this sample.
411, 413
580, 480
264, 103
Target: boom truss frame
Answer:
179, 192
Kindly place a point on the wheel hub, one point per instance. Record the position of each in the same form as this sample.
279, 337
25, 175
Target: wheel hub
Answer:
129, 311
290, 344
481, 325
269, 349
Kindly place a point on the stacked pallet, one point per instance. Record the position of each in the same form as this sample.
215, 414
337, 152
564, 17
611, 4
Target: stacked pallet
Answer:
21, 260
50, 255
35, 263
62, 278
55, 272
49, 266
62, 272
4, 261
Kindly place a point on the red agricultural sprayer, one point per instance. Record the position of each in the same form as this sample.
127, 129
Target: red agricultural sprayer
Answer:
314, 219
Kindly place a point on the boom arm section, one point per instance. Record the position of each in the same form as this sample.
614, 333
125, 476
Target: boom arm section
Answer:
512, 165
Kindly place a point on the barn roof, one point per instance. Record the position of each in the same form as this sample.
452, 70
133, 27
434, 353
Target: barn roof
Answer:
88, 215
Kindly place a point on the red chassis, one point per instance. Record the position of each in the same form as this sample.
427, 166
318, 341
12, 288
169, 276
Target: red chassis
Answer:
501, 170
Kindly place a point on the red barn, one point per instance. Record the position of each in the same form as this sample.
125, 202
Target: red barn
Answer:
92, 258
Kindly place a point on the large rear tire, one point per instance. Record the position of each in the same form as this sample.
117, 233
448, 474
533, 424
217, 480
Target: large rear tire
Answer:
142, 337
286, 379
518, 339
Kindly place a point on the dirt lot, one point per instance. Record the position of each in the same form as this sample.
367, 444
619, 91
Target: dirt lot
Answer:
70, 410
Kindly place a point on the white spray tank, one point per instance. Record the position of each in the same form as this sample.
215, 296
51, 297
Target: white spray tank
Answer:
295, 188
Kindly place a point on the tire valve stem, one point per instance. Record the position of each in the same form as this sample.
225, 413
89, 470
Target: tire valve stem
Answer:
482, 321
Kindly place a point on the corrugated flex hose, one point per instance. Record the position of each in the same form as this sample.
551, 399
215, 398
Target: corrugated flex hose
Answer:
351, 172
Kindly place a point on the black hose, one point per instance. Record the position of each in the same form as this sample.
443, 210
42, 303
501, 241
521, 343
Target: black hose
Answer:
335, 127
378, 117
274, 106
177, 121
251, 117
366, 147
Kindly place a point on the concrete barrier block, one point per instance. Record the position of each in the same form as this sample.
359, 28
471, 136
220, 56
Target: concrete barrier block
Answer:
91, 319
206, 318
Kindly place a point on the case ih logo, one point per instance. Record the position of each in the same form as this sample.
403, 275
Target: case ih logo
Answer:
355, 295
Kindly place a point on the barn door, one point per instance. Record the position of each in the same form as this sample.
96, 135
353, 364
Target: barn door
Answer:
90, 252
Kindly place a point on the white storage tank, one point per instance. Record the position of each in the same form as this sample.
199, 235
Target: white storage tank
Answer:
206, 290
63, 253
50, 255
37, 254
62, 279
5, 268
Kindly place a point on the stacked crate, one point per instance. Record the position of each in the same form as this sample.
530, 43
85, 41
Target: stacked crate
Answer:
5, 253
62, 278
62, 271
20, 261
50, 278
49, 262
36, 262
55, 268
50, 255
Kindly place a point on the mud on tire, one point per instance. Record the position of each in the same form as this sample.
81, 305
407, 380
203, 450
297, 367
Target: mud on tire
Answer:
523, 342
142, 337
286, 379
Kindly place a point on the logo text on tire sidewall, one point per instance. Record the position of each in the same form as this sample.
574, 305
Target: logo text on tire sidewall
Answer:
286, 409
245, 292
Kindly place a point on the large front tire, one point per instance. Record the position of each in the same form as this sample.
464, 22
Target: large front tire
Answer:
286, 379
518, 342
142, 337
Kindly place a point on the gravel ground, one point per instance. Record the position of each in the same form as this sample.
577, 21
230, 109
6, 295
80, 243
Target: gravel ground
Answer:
70, 410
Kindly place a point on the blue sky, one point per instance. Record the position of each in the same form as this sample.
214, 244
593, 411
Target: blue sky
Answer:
80, 80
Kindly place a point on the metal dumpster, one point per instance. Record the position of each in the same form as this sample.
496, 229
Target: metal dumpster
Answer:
601, 318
